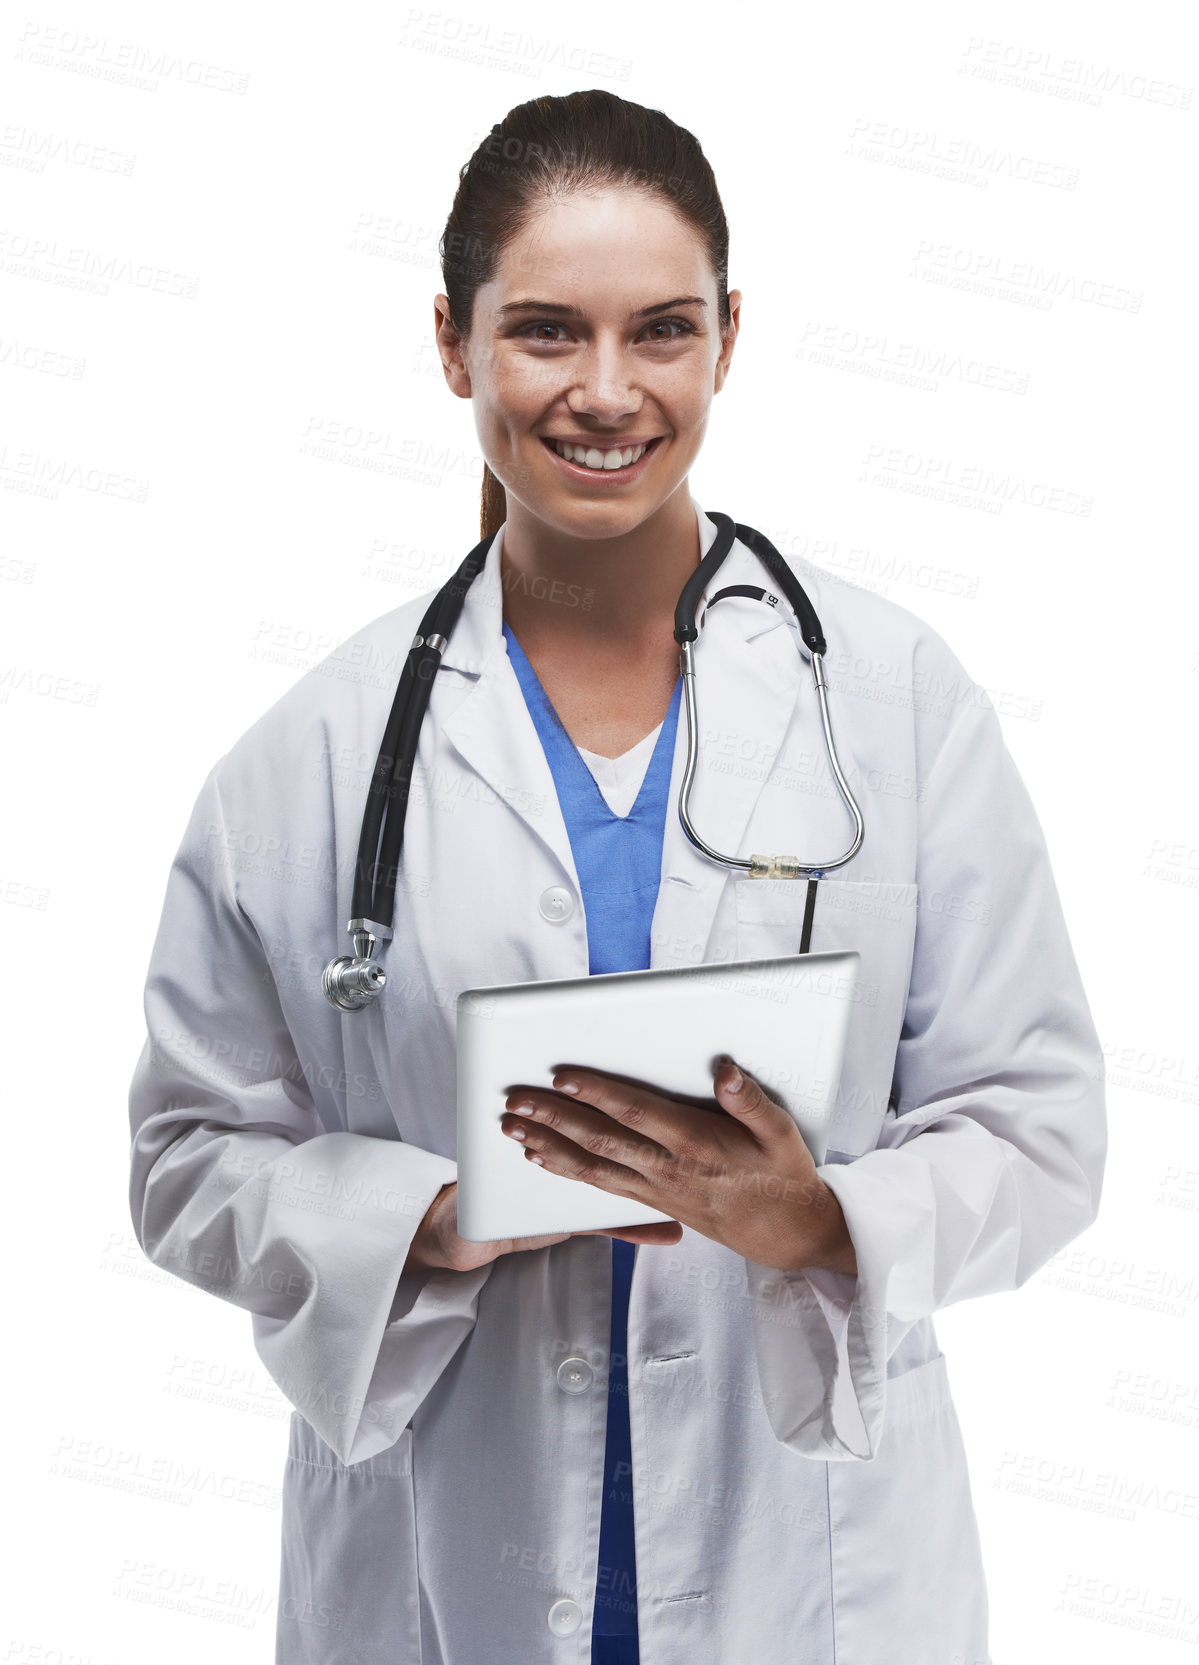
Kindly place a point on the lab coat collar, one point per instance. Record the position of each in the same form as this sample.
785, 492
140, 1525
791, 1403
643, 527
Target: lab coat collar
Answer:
749, 675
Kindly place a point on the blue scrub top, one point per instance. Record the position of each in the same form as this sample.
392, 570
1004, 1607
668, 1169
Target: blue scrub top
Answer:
619, 863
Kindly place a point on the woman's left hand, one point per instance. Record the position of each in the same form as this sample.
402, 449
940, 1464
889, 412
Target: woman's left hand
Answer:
745, 1179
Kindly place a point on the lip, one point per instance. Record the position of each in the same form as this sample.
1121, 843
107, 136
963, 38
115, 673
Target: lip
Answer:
601, 476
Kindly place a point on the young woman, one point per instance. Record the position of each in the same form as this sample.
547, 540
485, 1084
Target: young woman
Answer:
728, 1436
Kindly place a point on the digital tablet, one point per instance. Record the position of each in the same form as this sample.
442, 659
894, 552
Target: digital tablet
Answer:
783, 1020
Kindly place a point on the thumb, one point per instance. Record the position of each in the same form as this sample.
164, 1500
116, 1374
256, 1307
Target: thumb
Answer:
749, 1102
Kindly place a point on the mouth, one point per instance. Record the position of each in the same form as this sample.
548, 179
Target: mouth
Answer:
601, 463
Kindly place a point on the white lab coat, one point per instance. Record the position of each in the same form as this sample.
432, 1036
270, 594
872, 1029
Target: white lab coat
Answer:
800, 1485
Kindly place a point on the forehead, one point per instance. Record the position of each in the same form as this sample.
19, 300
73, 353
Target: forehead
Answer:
604, 250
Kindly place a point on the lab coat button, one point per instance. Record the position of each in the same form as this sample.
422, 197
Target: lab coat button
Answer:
556, 904
564, 1617
574, 1376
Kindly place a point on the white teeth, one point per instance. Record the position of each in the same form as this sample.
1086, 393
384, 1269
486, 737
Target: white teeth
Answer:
592, 457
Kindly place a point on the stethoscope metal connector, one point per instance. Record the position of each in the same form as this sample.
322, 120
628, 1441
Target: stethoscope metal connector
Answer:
350, 984
780, 867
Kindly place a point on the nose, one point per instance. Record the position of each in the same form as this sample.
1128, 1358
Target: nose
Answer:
606, 386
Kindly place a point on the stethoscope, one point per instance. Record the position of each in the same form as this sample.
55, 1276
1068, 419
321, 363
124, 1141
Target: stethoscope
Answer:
349, 984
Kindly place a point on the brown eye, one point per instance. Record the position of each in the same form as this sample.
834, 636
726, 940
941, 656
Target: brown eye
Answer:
680, 324
541, 324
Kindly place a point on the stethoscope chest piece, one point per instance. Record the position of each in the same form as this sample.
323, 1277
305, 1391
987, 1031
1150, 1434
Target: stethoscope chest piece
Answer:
350, 984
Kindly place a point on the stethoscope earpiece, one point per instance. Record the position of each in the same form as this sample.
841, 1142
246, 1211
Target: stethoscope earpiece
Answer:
755, 866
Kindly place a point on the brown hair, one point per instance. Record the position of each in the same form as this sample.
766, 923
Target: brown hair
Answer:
550, 146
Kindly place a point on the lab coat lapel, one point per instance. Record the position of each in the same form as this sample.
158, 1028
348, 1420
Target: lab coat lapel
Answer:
491, 727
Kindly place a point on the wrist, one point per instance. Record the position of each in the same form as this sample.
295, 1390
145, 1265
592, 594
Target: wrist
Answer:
831, 1247
415, 1262
422, 1255
839, 1254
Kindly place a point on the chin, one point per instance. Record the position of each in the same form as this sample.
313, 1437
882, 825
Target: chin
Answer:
597, 520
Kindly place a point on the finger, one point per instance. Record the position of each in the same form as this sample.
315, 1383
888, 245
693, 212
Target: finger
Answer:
751, 1104
592, 1160
665, 1232
560, 1131
640, 1109
654, 1231
540, 1242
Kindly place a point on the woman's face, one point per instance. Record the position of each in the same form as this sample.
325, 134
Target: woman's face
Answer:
598, 330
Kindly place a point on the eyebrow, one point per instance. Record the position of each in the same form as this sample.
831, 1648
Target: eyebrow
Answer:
570, 311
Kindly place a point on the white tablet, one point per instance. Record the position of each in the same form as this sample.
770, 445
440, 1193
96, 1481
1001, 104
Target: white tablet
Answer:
783, 1020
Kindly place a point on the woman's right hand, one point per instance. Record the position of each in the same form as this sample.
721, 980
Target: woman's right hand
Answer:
438, 1247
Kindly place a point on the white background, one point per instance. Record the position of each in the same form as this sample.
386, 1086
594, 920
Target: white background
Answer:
219, 247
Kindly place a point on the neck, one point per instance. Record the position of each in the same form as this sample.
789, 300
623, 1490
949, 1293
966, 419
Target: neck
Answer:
601, 590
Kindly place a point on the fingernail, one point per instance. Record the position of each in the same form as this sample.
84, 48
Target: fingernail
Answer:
540, 1160
522, 1109
736, 1080
515, 1132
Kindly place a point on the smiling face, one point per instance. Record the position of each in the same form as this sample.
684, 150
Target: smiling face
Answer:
593, 356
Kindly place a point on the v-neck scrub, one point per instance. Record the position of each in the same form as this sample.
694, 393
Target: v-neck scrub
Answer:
619, 863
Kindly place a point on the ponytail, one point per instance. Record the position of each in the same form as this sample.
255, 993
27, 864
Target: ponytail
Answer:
493, 511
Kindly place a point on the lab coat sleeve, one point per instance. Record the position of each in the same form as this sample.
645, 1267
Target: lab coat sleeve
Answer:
239, 1188
991, 1157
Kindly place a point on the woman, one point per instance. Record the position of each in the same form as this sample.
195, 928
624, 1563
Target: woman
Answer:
522, 1451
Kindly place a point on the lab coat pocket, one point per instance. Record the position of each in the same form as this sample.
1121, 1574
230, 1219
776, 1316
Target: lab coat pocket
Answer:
348, 1590
878, 919
906, 1556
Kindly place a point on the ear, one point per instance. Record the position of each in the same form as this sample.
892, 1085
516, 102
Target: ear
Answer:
449, 348
729, 342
